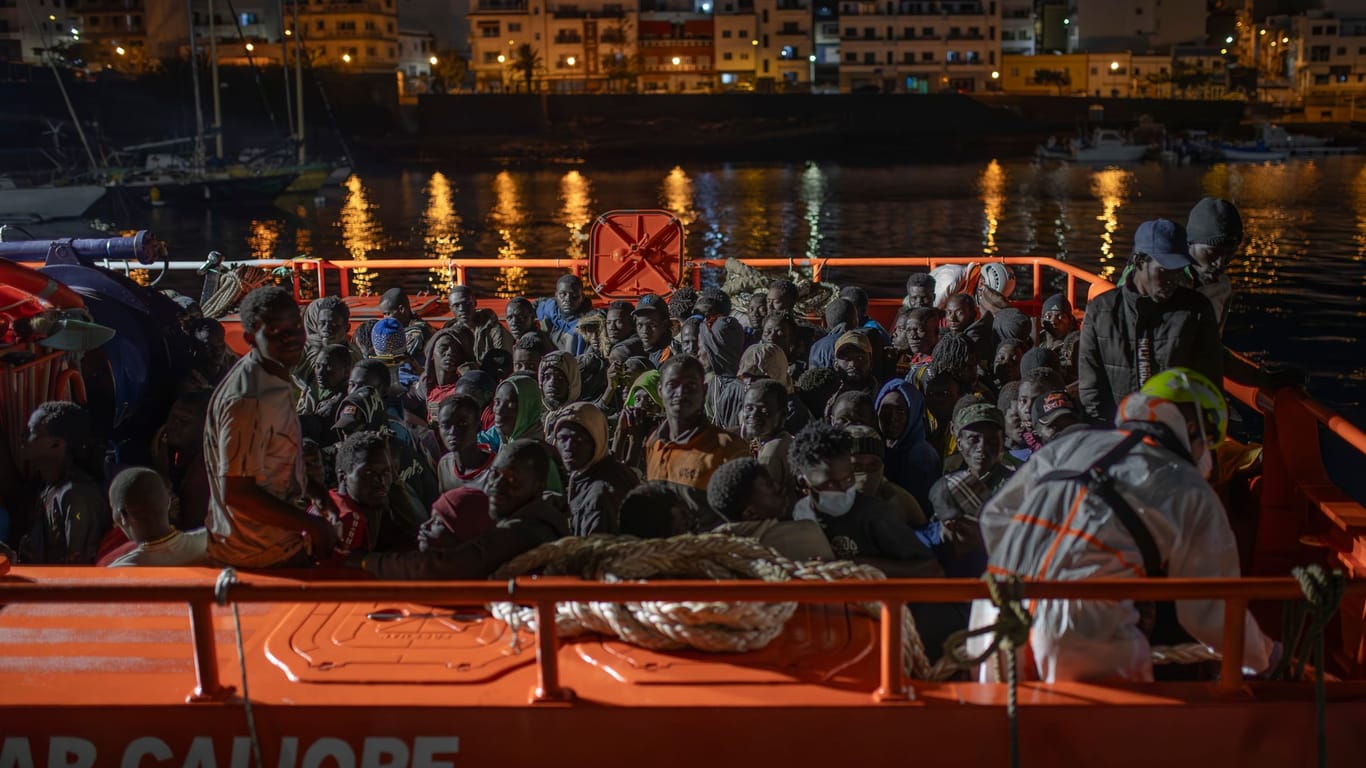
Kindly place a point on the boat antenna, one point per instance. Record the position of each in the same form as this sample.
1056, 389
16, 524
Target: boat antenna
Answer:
255, 70
198, 103
284, 68
61, 86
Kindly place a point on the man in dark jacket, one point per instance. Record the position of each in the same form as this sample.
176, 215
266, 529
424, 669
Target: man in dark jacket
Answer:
1147, 325
523, 520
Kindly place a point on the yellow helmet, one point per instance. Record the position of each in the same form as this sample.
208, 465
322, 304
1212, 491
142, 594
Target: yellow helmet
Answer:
1184, 385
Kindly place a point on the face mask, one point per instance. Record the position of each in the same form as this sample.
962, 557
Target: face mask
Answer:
868, 482
1205, 464
835, 503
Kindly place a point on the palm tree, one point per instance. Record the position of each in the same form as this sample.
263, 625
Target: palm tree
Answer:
527, 61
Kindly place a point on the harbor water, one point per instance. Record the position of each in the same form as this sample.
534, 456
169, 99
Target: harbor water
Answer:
1299, 287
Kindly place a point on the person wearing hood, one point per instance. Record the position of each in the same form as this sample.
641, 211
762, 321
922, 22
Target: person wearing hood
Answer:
525, 516
327, 321
1056, 321
1153, 515
445, 354
720, 346
459, 516
840, 316
854, 356
597, 481
560, 385
517, 412
1151, 322
768, 361
911, 461
643, 410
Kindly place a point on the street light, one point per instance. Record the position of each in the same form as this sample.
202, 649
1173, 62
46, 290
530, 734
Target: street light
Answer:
1285, 40
1223, 51
571, 61
502, 58
1114, 65
751, 42
289, 32
995, 75
811, 58
1229, 39
119, 50
677, 61
250, 47
1262, 32
432, 61
346, 57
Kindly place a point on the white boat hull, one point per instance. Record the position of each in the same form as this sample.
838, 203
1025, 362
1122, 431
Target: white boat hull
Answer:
44, 203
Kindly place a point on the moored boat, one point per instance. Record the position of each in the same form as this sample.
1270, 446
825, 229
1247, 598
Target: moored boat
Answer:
46, 202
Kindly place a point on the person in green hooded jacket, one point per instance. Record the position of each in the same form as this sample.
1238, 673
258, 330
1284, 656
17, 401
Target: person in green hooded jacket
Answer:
517, 413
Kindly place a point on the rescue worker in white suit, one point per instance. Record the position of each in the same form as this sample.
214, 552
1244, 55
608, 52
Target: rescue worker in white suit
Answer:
1056, 520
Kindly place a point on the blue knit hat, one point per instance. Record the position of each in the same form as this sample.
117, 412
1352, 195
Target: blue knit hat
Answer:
388, 338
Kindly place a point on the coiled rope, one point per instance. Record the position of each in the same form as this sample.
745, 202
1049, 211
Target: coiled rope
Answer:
1303, 625
232, 287
226, 579
722, 627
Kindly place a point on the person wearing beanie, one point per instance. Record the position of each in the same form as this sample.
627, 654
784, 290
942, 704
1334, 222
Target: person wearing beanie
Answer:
1056, 320
1214, 232
390, 342
958, 497
1038, 357
1150, 323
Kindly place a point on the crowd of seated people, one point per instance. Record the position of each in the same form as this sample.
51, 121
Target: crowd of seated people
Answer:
414, 452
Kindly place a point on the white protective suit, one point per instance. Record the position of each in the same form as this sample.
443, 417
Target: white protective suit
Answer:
1023, 529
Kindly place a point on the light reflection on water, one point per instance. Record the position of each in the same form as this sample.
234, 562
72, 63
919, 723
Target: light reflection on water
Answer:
1300, 284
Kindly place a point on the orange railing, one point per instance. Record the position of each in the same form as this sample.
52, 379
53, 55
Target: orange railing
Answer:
544, 593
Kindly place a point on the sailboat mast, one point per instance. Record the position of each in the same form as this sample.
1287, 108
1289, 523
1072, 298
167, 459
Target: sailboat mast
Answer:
299, 76
198, 104
213, 80
284, 68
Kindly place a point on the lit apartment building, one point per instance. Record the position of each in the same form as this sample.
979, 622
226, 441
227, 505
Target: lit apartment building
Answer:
826, 42
1017, 27
677, 46
416, 50
1113, 25
359, 36
918, 46
585, 46
1329, 55
21, 40
736, 30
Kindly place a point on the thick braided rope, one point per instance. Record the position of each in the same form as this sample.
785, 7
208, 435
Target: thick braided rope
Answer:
671, 625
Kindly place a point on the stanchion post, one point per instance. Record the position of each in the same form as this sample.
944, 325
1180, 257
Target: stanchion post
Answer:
207, 686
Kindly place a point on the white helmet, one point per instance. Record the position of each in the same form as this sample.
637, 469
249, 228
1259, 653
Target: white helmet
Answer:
998, 277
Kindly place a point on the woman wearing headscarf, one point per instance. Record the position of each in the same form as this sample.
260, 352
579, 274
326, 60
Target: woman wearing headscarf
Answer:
768, 361
560, 384
911, 462
720, 346
327, 321
445, 353
517, 415
597, 481
642, 414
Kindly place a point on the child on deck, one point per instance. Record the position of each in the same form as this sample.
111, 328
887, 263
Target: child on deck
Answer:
70, 515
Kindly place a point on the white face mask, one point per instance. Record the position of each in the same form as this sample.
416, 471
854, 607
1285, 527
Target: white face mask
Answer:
835, 503
1205, 464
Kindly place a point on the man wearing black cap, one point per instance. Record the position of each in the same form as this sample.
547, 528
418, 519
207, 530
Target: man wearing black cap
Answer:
1055, 414
1214, 231
1150, 323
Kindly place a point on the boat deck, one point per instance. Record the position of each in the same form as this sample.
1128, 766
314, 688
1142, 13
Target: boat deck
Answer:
324, 678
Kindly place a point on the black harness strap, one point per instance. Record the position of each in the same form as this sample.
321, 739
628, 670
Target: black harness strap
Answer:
1097, 480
